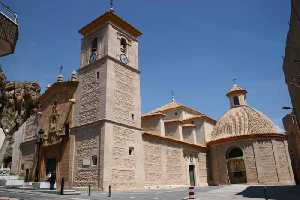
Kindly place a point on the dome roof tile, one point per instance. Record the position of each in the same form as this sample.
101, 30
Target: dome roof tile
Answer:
243, 120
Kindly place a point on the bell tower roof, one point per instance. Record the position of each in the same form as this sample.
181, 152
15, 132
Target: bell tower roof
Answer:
236, 90
111, 17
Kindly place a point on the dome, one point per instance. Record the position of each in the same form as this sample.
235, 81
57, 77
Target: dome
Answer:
243, 120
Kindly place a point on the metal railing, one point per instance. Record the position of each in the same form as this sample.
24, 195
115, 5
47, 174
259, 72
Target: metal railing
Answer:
7, 12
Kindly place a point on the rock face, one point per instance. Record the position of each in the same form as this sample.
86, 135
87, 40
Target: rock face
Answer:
18, 100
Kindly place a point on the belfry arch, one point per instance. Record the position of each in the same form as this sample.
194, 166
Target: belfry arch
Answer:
236, 166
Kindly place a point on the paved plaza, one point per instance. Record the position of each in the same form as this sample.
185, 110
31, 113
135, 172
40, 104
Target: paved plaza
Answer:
236, 192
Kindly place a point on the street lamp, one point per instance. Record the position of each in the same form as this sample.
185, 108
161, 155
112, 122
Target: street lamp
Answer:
287, 108
39, 144
40, 137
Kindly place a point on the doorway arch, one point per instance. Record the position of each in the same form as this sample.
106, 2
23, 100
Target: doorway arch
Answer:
236, 166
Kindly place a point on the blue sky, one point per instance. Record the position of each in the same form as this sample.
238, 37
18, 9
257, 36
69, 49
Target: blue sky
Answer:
193, 47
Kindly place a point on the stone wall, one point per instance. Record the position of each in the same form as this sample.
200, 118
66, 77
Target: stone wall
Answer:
293, 134
174, 114
266, 161
28, 158
152, 124
208, 128
200, 132
187, 134
123, 95
172, 130
87, 144
250, 162
28, 146
2, 137
167, 163
281, 159
16, 154
64, 164
90, 95
31, 129
124, 158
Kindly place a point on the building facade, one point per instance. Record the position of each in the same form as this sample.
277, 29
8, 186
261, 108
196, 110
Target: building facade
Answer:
293, 138
9, 30
90, 130
291, 69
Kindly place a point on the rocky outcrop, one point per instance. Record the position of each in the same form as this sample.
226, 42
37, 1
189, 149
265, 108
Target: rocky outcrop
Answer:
18, 100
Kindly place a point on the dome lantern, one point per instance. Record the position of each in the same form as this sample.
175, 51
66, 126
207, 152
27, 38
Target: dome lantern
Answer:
237, 96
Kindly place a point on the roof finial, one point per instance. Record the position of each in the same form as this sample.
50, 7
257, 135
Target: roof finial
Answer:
112, 5
60, 77
61, 69
234, 81
173, 95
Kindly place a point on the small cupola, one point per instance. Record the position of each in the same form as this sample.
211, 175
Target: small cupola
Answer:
60, 78
74, 76
237, 96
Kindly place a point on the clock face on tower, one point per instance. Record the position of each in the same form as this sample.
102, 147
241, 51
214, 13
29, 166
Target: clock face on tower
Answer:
124, 59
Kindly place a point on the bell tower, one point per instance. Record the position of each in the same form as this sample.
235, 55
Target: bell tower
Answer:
108, 98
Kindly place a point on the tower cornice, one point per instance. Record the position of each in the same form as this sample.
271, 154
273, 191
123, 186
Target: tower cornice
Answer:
109, 16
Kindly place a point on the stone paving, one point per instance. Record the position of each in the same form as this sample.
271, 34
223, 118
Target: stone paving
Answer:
230, 192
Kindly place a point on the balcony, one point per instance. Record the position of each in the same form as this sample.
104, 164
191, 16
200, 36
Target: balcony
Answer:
9, 30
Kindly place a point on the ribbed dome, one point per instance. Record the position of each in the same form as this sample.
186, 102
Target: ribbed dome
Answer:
243, 120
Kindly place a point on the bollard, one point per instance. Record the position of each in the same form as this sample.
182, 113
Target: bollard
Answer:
265, 193
191, 192
89, 190
62, 186
109, 191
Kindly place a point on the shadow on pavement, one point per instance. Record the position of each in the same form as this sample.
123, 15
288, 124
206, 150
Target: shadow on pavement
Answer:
288, 192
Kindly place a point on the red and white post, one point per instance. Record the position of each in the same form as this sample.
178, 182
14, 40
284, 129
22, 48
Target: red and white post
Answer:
192, 192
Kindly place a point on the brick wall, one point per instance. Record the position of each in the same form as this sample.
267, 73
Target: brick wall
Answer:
87, 144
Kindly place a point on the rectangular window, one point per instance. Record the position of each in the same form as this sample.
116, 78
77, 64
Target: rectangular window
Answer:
131, 150
94, 160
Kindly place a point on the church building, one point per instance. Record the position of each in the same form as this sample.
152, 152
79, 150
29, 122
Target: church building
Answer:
90, 130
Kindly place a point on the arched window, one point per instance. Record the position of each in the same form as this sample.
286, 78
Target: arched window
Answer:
123, 44
236, 101
94, 45
234, 153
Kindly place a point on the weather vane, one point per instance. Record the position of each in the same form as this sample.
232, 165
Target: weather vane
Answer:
234, 81
60, 69
173, 95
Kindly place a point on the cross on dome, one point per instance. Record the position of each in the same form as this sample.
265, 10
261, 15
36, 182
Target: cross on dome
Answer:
111, 5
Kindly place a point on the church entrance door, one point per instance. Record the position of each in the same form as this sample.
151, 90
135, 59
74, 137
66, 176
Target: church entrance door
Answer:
192, 175
236, 166
51, 166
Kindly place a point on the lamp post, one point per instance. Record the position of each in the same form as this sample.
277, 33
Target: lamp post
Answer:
287, 108
39, 144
